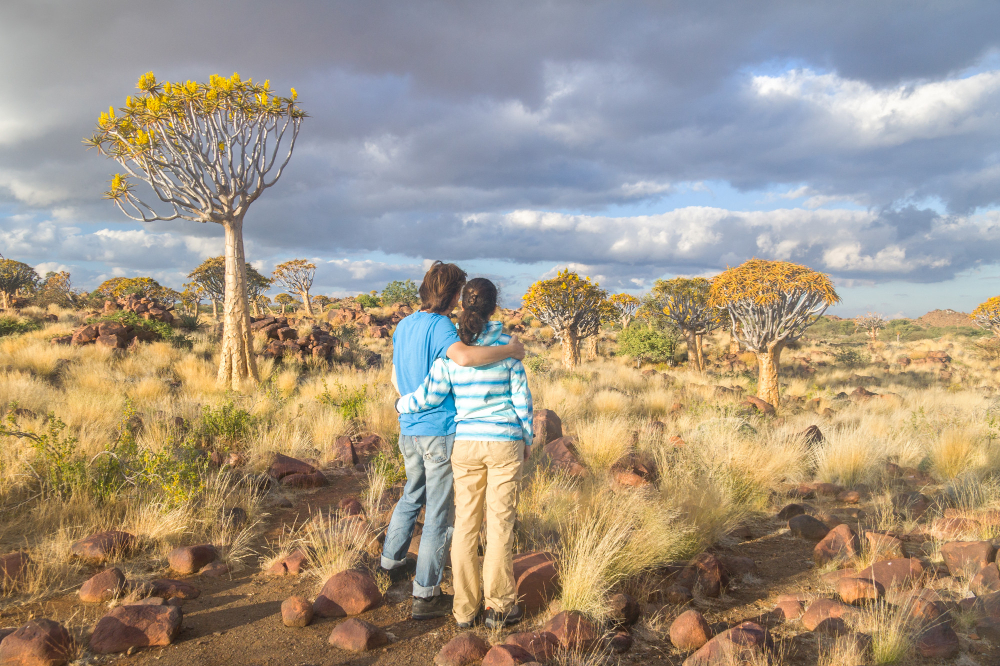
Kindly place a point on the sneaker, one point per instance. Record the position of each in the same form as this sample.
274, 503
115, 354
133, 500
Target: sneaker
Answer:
432, 607
478, 619
494, 619
402, 572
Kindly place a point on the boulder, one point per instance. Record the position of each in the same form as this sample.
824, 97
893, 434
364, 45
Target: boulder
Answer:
166, 588
744, 643
561, 454
537, 580
964, 558
463, 650
812, 435
827, 489
572, 630
135, 625
807, 527
849, 497
857, 590
296, 611
343, 449
290, 565
938, 642
893, 573
823, 609
987, 580
624, 609
85, 336
357, 635
547, 427
677, 594
105, 586
690, 631
214, 570
707, 572
103, 546
13, 568
913, 504
347, 593
541, 644
761, 406
282, 466
38, 643
840, 543
190, 559
790, 511
885, 546
312, 480
507, 655
789, 607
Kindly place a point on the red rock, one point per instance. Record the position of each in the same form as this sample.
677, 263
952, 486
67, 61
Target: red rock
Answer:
537, 580
344, 450
690, 631
966, 557
707, 572
855, 590
290, 565
507, 655
105, 586
347, 593
190, 559
832, 626
812, 435
463, 650
849, 497
312, 480
953, 528
13, 568
214, 570
926, 607
85, 335
807, 527
624, 609
822, 609
828, 489
135, 625
893, 573
938, 642
110, 342
987, 580
762, 406
282, 466
547, 426
886, 547
38, 643
350, 506
368, 445
677, 594
790, 511
541, 644
357, 636
620, 641
296, 611
840, 543
789, 608
572, 630
167, 588
741, 644
913, 504
802, 491
104, 546
561, 454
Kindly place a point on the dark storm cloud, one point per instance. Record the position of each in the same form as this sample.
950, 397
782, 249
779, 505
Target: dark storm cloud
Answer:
432, 121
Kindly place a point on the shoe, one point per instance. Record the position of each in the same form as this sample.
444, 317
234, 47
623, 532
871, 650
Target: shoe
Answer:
432, 607
402, 572
493, 619
478, 619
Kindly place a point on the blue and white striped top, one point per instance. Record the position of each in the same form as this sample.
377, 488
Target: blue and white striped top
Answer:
493, 402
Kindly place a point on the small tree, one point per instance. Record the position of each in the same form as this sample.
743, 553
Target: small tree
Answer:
321, 302
210, 276
625, 307
643, 342
206, 150
191, 297
399, 291
297, 276
872, 324
770, 304
987, 315
55, 288
570, 305
284, 300
368, 300
120, 287
15, 278
685, 302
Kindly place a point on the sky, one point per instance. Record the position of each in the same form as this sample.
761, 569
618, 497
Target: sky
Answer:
627, 140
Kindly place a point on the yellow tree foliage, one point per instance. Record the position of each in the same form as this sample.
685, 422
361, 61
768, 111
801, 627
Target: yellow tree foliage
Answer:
16, 277
624, 307
771, 303
571, 305
685, 302
987, 315
297, 275
122, 286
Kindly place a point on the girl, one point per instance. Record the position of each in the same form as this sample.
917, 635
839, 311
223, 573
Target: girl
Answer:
494, 431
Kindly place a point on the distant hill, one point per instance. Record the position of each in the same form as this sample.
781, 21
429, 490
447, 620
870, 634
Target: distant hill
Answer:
941, 318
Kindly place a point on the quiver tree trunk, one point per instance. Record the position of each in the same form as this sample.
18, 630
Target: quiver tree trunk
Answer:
306, 302
694, 359
700, 352
237, 364
767, 376
215, 310
590, 348
570, 349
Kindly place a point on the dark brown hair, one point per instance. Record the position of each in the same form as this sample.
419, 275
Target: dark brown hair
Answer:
440, 286
479, 301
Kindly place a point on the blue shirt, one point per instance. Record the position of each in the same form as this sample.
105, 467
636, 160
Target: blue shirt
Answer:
419, 340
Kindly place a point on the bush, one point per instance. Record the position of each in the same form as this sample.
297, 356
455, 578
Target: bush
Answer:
125, 318
368, 301
852, 358
399, 291
16, 325
226, 424
351, 404
645, 343
537, 363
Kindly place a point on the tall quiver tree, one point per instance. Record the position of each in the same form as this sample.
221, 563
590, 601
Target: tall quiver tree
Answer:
685, 302
297, 276
15, 277
987, 315
570, 305
208, 151
770, 304
210, 276
624, 307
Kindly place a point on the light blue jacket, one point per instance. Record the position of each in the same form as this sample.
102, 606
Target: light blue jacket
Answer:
493, 402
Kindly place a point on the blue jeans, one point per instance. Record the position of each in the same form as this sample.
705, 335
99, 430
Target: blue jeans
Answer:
429, 482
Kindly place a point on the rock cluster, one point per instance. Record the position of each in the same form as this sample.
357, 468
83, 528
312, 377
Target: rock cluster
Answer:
285, 340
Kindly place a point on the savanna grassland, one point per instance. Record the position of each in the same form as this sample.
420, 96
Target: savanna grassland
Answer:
658, 494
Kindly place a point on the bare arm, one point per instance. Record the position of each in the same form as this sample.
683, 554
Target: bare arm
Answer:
473, 357
395, 382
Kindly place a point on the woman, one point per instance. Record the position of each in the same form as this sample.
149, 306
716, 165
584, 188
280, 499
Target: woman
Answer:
494, 431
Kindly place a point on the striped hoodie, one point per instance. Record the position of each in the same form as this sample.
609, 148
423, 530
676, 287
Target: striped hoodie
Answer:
492, 402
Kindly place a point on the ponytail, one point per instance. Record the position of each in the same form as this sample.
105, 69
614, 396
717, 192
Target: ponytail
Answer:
479, 301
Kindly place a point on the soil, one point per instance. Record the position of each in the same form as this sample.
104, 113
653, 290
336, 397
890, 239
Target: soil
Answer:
237, 620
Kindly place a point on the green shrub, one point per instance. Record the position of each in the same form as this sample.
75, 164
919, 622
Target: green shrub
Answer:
851, 358
162, 331
645, 343
16, 325
226, 424
537, 363
399, 291
350, 404
368, 301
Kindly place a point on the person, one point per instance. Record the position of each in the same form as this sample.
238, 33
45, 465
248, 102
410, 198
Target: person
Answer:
494, 417
426, 439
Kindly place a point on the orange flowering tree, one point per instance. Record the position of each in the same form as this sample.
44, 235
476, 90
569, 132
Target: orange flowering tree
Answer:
771, 303
685, 302
987, 315
207, 151
297, 276
572, 306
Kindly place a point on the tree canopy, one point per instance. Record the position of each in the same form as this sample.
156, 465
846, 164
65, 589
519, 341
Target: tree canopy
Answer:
121, 286
16, 277
624, 307
210, 276
399, 291
571, 305
297, 275
987, 315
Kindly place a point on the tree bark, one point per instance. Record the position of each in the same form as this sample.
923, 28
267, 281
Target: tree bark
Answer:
215, 310
692, 346
238, 363
701, 352
570, 349
306, 301
6, 301
590, 348
767, 376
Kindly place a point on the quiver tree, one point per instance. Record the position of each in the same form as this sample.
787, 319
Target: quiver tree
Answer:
297, 276
685, 302
191, 297
987, 315
55, 288
571, 305
208, 151
284, 300
321, 302
210, 276
121, 286
770, 304
872, 324
15, 278
624, 307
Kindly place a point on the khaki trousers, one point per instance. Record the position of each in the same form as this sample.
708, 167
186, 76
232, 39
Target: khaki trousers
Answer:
486, 475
